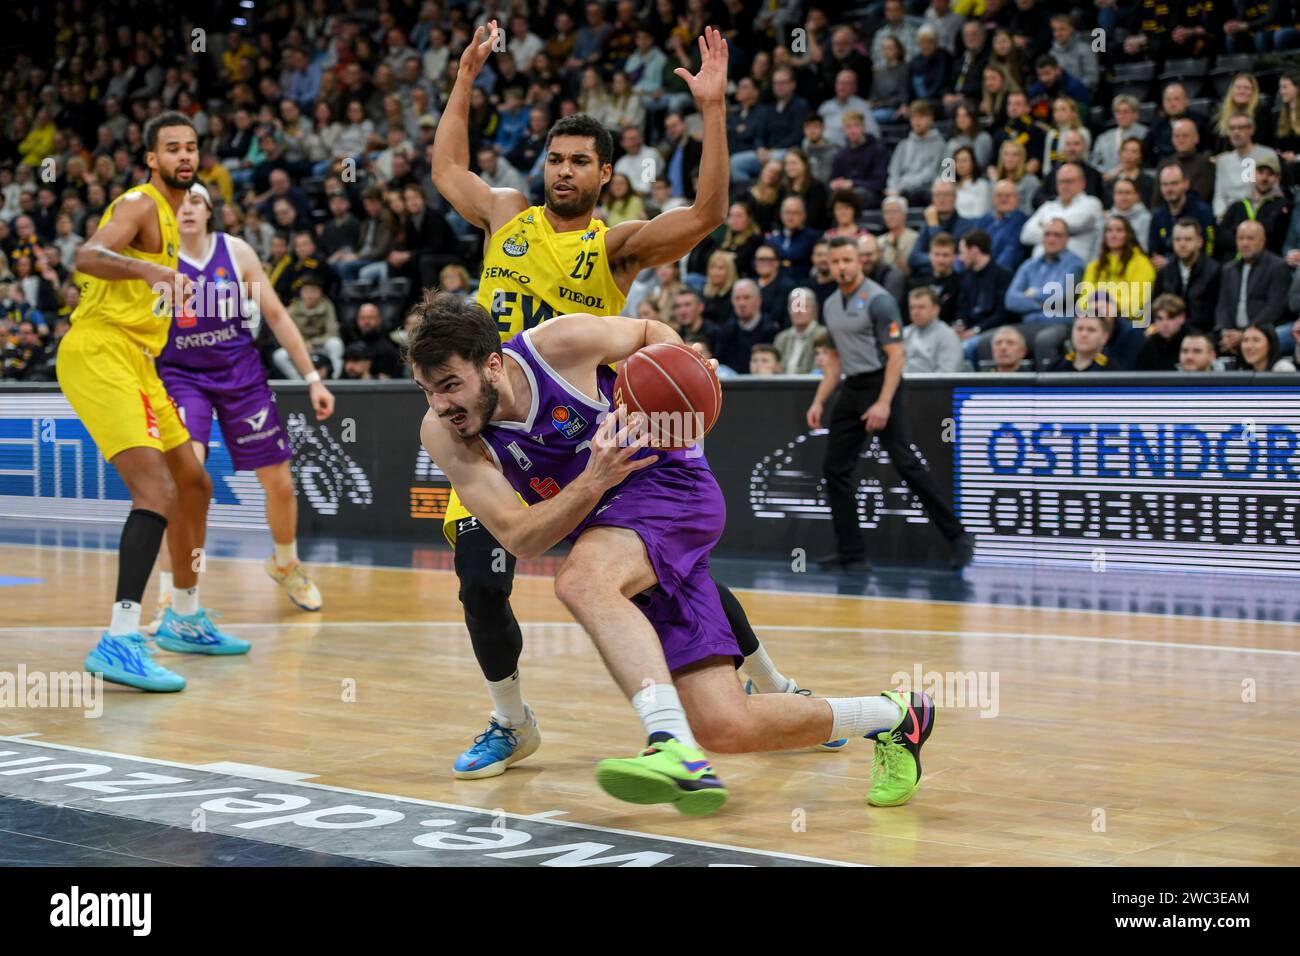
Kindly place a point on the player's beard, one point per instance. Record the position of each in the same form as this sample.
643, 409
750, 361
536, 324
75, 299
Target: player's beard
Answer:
578, 203
488, 399
174, 182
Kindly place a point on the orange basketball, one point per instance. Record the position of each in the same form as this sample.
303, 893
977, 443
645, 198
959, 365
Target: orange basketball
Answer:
675, 388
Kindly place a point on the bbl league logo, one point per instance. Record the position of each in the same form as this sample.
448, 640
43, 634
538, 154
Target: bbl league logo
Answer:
567, 421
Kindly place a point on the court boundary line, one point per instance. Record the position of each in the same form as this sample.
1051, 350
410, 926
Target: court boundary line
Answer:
752, 590
419, 801
891, 631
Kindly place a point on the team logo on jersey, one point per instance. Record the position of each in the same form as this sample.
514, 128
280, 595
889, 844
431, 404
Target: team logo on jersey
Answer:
545, 487
257, 421
567, 421
515, 245
520, 458
588, 235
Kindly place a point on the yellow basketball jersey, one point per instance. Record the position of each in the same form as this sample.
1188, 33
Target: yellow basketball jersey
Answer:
532, 273
131, 304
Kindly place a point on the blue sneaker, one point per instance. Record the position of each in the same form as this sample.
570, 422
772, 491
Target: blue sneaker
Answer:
196, 635
128, 659
497, 748
831, 745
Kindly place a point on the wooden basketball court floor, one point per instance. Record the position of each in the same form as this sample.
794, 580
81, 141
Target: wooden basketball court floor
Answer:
1086, 737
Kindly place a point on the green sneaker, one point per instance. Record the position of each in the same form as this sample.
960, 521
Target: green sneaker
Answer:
896, 764
667, 771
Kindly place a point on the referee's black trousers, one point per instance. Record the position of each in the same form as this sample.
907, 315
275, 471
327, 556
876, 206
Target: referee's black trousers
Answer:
848, 433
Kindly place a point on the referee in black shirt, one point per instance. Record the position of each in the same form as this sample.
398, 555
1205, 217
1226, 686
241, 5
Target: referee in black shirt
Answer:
866, 331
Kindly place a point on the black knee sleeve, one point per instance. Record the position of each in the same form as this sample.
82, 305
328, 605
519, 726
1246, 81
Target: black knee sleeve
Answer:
738, 620
487, 572
137, 551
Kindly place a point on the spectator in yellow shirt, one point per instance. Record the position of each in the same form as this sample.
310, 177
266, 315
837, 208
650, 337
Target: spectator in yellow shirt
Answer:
236, 49
216, 177
1122, 271
39, 142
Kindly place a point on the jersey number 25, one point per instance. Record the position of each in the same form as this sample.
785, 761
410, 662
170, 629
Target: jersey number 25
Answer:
587, 259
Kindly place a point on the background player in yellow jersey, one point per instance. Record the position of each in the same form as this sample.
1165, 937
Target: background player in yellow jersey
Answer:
548, 260
129, 286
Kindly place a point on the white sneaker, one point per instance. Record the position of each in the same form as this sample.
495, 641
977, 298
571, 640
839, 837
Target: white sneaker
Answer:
296, 584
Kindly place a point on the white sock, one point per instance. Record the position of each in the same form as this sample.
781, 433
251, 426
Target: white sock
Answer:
508, 708
165, 585
661, 710
767, 679
185, 601
126, 619
286, 555
859, 716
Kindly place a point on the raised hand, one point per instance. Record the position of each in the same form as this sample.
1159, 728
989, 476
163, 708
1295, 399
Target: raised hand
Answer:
478, 51
710, 84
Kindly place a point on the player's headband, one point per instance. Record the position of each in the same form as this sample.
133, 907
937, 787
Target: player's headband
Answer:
202, 190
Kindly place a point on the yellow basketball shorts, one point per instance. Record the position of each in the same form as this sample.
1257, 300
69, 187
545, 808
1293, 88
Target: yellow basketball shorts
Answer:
112, 385
455, 514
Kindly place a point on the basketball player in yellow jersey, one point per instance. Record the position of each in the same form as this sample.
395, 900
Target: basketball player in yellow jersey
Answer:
549, 260
129, 284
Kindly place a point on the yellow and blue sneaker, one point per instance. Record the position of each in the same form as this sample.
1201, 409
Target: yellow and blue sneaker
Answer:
831, 745
667, 771
196, 634
497, 748
128, 659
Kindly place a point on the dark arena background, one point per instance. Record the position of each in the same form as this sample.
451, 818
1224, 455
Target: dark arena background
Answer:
1073, 227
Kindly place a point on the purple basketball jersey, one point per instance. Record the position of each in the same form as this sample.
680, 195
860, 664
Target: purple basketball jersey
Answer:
217, 337
674, 506
542, 455
211, 366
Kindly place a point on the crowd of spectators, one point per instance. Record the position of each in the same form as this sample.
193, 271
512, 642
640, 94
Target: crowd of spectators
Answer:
1041, 185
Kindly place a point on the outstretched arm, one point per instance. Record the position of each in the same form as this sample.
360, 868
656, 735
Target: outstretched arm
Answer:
581, 341
474, 199
634, 246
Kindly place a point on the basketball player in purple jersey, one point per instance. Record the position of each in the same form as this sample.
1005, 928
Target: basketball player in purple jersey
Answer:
211, 364
530, 419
